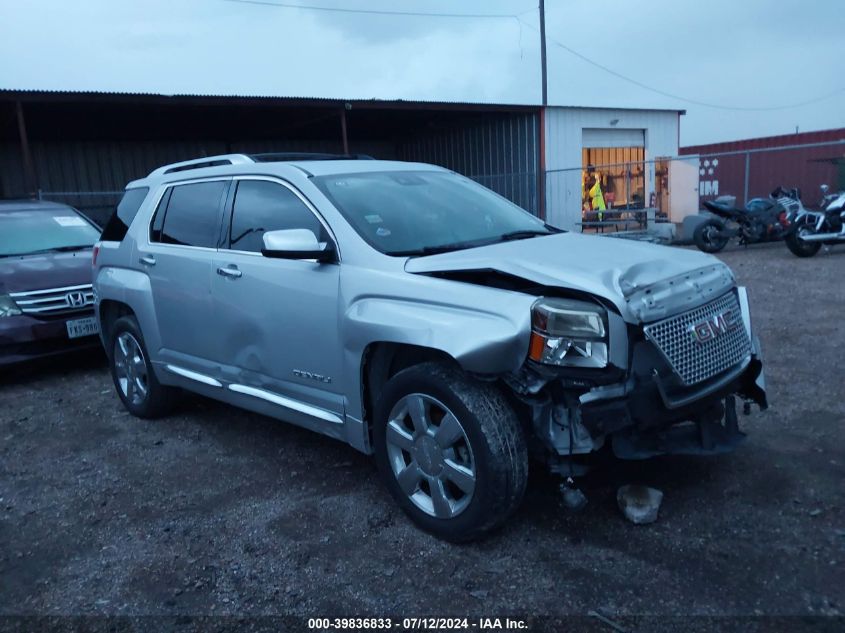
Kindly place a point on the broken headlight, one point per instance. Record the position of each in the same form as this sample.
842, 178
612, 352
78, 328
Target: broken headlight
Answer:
568, 333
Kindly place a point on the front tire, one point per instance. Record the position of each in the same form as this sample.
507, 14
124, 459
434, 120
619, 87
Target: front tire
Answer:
132, 372
450, 450
708, 237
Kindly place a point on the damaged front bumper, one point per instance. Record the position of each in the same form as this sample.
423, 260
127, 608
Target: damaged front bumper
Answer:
651, 420
648, 412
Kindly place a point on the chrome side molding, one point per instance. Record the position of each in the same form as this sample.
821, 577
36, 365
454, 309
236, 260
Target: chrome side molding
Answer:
288, 403
187, 373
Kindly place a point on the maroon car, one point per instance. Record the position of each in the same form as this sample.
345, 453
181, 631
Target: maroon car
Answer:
46, 300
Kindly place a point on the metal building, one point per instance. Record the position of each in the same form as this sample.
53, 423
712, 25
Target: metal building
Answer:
620, 144
83, 147
752, 168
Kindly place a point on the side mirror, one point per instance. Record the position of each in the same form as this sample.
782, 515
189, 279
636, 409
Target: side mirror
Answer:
296, 244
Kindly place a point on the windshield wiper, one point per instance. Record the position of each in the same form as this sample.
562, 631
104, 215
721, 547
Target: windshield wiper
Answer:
521, 235
67, 249
457, 246
57, 249
433, 250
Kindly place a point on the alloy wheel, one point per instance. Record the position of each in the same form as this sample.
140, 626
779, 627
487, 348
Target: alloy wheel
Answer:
130, 368
430, 456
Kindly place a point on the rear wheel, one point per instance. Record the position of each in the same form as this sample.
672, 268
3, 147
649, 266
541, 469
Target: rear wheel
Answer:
801, 247
450, 450
132, 372
708, 237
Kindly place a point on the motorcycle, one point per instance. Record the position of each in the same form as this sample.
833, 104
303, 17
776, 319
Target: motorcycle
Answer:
811, 229
762, 220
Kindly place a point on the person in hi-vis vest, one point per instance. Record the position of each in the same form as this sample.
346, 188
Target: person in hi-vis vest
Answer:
596, 197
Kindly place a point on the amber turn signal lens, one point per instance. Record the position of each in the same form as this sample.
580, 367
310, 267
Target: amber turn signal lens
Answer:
535, 348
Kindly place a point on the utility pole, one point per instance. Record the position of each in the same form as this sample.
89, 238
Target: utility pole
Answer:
543, 51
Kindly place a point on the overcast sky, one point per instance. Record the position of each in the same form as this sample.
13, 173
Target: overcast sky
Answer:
736, 53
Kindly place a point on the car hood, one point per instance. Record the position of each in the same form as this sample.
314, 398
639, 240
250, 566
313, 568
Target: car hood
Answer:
644, 281
49, 270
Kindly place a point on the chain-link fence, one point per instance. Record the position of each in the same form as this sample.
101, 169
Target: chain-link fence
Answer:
519, 187
618, 196
633, 194
96, 205
756, 172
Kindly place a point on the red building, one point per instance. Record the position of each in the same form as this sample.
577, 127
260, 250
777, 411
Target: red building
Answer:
752, 168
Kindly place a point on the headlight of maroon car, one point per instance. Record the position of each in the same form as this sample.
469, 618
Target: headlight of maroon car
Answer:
8, 307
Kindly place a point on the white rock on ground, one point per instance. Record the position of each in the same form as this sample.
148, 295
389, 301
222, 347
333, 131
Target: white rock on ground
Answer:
573, 498
639, 504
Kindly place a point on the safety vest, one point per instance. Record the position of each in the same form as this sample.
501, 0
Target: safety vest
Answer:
597, 197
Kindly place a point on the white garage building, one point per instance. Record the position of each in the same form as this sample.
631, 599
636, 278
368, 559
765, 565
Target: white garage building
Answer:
623, 145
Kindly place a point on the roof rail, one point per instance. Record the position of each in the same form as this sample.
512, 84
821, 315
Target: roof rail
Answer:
199, 163
277, 157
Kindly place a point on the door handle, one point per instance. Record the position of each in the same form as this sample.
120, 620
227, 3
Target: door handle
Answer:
148, 260
229, 271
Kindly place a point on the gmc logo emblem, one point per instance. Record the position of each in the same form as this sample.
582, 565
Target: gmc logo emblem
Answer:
714, 327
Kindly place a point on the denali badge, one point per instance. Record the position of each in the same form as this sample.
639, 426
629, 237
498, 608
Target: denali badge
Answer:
714, 327
299, 373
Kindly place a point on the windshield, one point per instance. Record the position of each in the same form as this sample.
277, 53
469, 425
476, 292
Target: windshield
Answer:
27, 232
415, 213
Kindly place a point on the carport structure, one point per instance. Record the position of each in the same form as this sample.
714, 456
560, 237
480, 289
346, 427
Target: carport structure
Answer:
83, 147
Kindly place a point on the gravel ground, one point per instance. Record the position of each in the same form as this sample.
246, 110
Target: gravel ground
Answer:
219, 511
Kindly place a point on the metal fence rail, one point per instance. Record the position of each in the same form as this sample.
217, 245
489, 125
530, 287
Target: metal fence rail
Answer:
745, 174
97, 205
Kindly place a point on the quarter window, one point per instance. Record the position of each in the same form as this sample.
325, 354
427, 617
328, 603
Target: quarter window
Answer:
262, 206
192, 215
117, 226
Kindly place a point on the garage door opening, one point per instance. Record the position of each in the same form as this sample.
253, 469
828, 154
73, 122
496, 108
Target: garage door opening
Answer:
620, 172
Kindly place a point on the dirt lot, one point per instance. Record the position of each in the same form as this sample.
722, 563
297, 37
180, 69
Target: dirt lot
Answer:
218, 511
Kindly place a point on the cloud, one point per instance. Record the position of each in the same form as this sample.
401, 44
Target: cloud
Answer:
724, 51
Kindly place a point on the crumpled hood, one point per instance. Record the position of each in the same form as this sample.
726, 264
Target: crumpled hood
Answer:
47, 270
644, 281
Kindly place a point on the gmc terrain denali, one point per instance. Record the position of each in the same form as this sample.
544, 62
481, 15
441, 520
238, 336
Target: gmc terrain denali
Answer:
422, 318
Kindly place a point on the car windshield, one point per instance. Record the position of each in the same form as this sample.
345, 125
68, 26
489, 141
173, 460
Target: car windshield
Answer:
28, 232
418, 213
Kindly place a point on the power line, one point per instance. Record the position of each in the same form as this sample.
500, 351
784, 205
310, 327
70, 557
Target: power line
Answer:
306, 7
705, 104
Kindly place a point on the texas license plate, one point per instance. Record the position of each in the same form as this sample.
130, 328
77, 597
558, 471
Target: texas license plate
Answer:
82, 327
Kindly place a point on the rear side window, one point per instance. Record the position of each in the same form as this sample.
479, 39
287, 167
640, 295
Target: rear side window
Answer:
121, 219
192, 215
262, 206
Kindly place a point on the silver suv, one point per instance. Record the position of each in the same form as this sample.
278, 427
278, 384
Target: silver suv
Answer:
416, 315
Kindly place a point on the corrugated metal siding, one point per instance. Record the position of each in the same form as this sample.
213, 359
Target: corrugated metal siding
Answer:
73, 166
804, 167
499, 150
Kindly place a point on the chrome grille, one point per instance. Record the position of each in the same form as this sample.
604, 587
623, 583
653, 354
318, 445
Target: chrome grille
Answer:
695, 361
54, 300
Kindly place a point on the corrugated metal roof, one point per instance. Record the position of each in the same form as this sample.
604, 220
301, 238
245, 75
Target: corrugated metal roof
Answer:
30, 93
